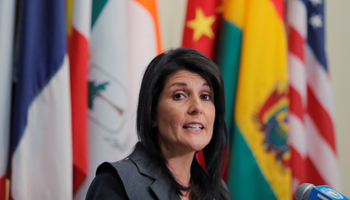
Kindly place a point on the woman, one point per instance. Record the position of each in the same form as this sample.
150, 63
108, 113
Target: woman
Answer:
181, 110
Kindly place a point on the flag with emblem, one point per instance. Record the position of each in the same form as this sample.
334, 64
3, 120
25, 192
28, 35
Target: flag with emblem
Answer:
78, 49
201, 31
260, 153
41, 128
7, 22
312, 138
124, 39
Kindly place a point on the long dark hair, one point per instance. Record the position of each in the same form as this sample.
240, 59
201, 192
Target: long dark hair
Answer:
204, 185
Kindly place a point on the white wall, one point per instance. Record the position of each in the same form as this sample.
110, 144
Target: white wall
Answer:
172, 16
338, 49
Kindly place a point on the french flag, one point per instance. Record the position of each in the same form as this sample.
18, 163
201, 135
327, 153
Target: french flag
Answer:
41, 139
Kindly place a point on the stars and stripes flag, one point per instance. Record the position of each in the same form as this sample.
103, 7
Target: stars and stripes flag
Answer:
41, 138
314, 156
7, 22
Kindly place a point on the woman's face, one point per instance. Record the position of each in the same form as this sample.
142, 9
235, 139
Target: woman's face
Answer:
185, 114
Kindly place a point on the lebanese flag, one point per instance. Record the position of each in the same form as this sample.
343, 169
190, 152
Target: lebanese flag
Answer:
7, 22
42, 137
78, 58
124, 39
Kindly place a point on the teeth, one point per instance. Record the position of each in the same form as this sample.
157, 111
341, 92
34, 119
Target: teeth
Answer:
194, 126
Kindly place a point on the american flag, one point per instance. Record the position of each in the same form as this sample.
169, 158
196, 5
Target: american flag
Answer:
314, 156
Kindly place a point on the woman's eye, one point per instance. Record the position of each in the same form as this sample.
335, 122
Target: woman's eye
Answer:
206, 97
178, 96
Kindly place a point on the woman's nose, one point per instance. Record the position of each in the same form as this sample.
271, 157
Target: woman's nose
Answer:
195, 106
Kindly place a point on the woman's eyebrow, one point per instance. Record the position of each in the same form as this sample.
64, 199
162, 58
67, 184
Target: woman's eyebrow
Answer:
178, 83
185, 84
207, 84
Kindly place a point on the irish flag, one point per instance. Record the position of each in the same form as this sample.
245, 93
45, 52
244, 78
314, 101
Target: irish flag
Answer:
254, 49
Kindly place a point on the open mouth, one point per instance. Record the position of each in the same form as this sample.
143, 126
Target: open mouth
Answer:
194, 127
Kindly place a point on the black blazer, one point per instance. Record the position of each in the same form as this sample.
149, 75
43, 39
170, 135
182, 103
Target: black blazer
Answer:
136, 177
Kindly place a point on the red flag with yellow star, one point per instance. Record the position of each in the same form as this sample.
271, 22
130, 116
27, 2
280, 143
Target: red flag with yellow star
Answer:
202, 25
201, 31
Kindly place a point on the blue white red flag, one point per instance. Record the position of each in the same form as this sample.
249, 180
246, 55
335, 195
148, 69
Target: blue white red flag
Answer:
41, 138
312, 137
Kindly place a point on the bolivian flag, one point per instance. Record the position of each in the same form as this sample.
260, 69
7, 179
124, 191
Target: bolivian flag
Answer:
253, 59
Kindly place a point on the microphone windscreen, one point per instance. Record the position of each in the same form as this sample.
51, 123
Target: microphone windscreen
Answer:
303, 191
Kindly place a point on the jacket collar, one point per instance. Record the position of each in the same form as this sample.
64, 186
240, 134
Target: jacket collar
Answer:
146, 166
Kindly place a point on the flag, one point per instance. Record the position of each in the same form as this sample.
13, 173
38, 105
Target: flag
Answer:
201, 31
314, 157
41, 138
259, 154
124, 39
144, 43
7, 22
228, 58
78, 46
202, 26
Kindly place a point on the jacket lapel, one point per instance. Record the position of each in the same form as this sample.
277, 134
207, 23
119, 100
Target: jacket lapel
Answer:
160, 187
163, 191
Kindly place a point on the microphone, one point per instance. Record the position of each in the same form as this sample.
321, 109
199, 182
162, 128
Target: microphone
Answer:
307, 191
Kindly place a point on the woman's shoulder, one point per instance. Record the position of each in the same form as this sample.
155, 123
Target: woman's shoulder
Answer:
122, 165
107, 184
113, 180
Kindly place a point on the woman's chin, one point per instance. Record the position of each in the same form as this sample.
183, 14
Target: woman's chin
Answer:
197, 146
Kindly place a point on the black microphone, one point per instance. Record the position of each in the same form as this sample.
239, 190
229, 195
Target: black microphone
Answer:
307, 191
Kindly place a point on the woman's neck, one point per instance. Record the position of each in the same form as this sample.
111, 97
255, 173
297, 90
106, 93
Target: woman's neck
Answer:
180, 166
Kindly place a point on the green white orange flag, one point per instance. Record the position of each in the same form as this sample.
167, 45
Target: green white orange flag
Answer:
124, 38
78, 49
144, 43
254, 49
